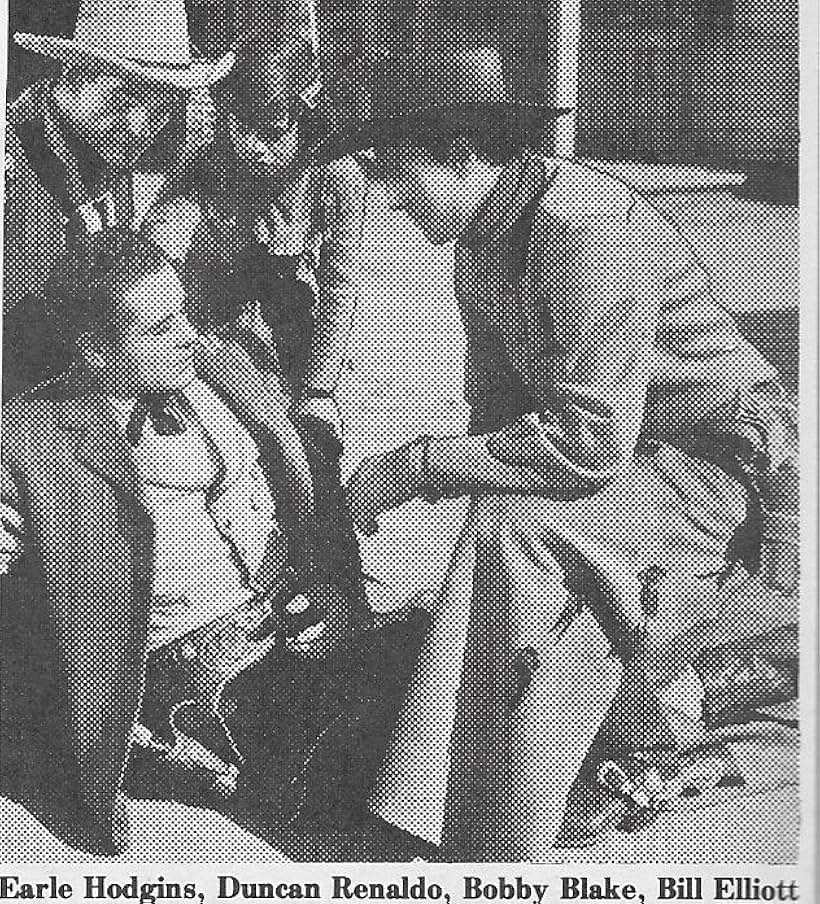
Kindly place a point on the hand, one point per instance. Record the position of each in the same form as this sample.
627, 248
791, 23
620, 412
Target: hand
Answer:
319, 416
328, 616
382, 483
227, 365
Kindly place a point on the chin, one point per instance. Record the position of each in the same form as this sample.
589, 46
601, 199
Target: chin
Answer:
178, 380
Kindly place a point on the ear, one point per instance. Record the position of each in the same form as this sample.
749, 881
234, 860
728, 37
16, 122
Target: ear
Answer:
93, 351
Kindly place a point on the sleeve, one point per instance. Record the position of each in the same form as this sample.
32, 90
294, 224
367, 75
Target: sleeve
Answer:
584, 353
11, 523
342, 207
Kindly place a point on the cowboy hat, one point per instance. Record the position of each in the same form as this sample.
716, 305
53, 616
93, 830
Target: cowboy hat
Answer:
145, 39
272, 77
447, 93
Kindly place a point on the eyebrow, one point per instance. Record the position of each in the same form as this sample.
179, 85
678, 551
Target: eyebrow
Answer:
155, 327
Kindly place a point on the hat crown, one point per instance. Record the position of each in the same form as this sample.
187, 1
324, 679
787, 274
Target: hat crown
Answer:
266, 73
472, 76
151, 31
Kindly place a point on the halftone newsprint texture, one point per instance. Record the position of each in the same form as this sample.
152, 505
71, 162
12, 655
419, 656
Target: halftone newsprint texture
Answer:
401, 452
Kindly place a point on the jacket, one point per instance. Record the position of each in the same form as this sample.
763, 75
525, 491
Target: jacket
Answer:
590, 325
75, 605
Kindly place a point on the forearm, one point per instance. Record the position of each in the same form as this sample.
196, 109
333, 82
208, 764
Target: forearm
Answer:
337, 274
466, 465
332, 324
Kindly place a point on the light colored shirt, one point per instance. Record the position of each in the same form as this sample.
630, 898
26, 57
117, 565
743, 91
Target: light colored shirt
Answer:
588, 321
216, 537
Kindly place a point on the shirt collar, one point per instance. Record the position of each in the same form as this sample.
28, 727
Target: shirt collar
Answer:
520, 185
122, 409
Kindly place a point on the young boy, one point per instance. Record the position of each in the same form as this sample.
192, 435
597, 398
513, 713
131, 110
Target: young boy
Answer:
616, 414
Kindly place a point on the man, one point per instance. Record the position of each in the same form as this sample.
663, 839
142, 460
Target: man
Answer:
156, 499
611, 403
77, 146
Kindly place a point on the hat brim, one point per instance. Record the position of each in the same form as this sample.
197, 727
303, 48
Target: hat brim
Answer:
199, 74
521, 123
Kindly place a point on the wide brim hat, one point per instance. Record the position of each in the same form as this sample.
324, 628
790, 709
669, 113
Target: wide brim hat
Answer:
144, 39
442, 93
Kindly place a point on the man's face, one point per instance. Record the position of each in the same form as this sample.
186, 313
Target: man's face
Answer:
434, 195
153, 342
118, 116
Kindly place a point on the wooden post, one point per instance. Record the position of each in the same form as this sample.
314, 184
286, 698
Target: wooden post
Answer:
568, 34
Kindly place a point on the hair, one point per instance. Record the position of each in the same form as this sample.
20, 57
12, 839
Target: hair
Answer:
491, 147
449, 146
83, 286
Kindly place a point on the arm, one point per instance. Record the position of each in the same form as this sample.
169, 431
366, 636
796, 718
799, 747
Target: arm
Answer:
586, 359
589, 322
341, 208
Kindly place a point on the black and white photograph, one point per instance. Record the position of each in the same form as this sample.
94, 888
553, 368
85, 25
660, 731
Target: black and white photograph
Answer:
402, 413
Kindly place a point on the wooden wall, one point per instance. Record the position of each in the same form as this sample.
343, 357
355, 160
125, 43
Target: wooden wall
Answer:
687, 81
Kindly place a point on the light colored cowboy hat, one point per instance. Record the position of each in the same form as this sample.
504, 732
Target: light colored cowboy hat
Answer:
146, 39
444, 92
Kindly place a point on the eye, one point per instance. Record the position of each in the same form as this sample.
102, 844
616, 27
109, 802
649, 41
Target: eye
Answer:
162, 328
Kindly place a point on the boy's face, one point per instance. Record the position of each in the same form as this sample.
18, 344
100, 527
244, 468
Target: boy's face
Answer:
435, 196
152, 342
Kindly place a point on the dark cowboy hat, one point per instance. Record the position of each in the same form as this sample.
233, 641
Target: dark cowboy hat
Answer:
271, 77
437, 93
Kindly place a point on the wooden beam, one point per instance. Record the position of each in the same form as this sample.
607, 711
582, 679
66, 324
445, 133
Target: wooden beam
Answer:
568, 33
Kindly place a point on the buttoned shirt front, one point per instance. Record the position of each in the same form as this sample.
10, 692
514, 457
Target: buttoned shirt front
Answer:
216, 536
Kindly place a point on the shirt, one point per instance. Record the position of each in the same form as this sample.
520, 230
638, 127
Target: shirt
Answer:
589, 321
216, 537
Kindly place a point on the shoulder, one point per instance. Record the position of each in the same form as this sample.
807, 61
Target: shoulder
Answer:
342, 177
578, 195
28, 423
43, 403
590, 214
24, 120
27, 106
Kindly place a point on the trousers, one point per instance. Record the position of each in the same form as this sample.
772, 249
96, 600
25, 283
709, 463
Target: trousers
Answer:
487, 746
